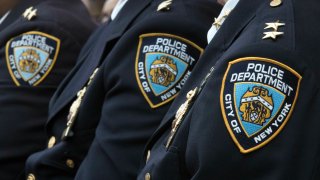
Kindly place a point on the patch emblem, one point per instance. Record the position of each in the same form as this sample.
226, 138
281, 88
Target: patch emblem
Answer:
164, 62
31, 56
257, 98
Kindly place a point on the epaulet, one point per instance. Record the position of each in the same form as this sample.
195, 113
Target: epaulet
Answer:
275, 3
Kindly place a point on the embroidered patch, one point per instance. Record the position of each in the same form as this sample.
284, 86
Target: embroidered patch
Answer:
164, 62
31, 56
257, 99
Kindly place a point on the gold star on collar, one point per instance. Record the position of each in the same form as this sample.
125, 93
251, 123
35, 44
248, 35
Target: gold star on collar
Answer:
30, 13
272, 35
274, 25
217, 23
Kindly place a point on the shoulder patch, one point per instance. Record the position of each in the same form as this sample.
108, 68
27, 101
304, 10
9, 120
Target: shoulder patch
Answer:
163, 64
31, 56
257, 98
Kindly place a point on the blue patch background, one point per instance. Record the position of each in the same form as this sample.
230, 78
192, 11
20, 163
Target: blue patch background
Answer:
158, 89
241, 89
43, 58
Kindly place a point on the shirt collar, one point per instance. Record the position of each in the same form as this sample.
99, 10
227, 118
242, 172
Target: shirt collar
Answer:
4, 17
117, 8
227, 8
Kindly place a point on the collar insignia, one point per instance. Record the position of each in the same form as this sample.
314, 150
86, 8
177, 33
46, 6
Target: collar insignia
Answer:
30, 13
274, 33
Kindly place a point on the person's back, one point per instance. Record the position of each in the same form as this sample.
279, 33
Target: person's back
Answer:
39, 43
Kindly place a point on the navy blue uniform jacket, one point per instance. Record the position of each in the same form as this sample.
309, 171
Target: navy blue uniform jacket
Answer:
257, 115
39, 44
128, 115
136, 85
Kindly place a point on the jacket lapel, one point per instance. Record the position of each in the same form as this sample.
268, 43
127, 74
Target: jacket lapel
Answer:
85, 53
112, 32
239, 18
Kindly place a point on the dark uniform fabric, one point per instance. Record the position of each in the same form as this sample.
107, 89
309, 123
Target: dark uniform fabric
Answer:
36, 55
114, 97
210, 142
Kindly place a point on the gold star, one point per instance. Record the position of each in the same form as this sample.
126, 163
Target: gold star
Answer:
217, 23
30, 13
27, 11
272, 35
274, 25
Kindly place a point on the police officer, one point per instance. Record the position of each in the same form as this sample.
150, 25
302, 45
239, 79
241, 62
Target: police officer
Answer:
126, 84
39, 43
251, 110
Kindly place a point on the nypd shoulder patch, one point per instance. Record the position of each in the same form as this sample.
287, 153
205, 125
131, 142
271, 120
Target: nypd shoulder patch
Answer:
163, 64
31, 56
257, 98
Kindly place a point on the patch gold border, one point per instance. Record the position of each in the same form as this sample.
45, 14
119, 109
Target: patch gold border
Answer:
50, 68
242, 150
137, 59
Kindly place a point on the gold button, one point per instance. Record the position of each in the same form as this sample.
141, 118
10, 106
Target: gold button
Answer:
70, 163
148, 156
52, 142
147, 176
31, 177
275, 3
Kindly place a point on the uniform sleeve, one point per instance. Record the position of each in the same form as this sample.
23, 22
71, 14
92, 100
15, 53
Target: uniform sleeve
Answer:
35, 56
264, 117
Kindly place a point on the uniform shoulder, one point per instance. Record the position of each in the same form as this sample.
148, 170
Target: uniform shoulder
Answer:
64, 12
70, 16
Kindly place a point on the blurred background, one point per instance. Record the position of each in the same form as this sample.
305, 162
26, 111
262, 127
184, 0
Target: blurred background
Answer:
100, 10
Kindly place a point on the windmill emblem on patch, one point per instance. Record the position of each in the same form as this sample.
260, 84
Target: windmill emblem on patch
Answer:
164, 63
163, 71
31, 56
257, 98
29, 61
256, 105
